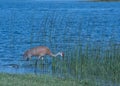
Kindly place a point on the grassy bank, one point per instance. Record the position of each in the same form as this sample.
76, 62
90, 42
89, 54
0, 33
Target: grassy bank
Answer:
43, 80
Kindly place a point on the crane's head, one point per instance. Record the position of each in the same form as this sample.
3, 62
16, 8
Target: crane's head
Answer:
61, 54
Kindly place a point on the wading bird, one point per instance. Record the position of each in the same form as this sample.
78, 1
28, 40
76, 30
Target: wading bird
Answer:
40, 52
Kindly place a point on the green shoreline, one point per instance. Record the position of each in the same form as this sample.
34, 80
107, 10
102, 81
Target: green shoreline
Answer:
42, 80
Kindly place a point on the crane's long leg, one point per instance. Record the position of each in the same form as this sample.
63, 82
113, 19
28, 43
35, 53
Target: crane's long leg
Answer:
35, 71
27, 59
36, 63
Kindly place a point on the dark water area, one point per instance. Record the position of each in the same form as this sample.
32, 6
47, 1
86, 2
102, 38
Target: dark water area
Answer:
59, 25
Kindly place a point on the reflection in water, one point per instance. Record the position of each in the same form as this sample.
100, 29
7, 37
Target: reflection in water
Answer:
12, 65
27, 67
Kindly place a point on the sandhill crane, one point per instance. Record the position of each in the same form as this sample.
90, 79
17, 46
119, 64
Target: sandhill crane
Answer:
40, 52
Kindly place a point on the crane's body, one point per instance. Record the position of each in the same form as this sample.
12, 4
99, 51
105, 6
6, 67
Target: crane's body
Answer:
40, 52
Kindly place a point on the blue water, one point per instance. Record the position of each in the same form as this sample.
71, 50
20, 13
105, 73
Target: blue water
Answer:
59, 25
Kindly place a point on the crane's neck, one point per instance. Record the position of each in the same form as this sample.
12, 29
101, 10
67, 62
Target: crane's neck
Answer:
55, 55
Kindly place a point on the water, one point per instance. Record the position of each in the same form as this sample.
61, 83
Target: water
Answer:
58, 25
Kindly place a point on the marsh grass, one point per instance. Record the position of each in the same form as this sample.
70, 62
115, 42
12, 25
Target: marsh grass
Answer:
91, 63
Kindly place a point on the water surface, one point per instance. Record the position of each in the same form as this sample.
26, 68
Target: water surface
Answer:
59, 25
